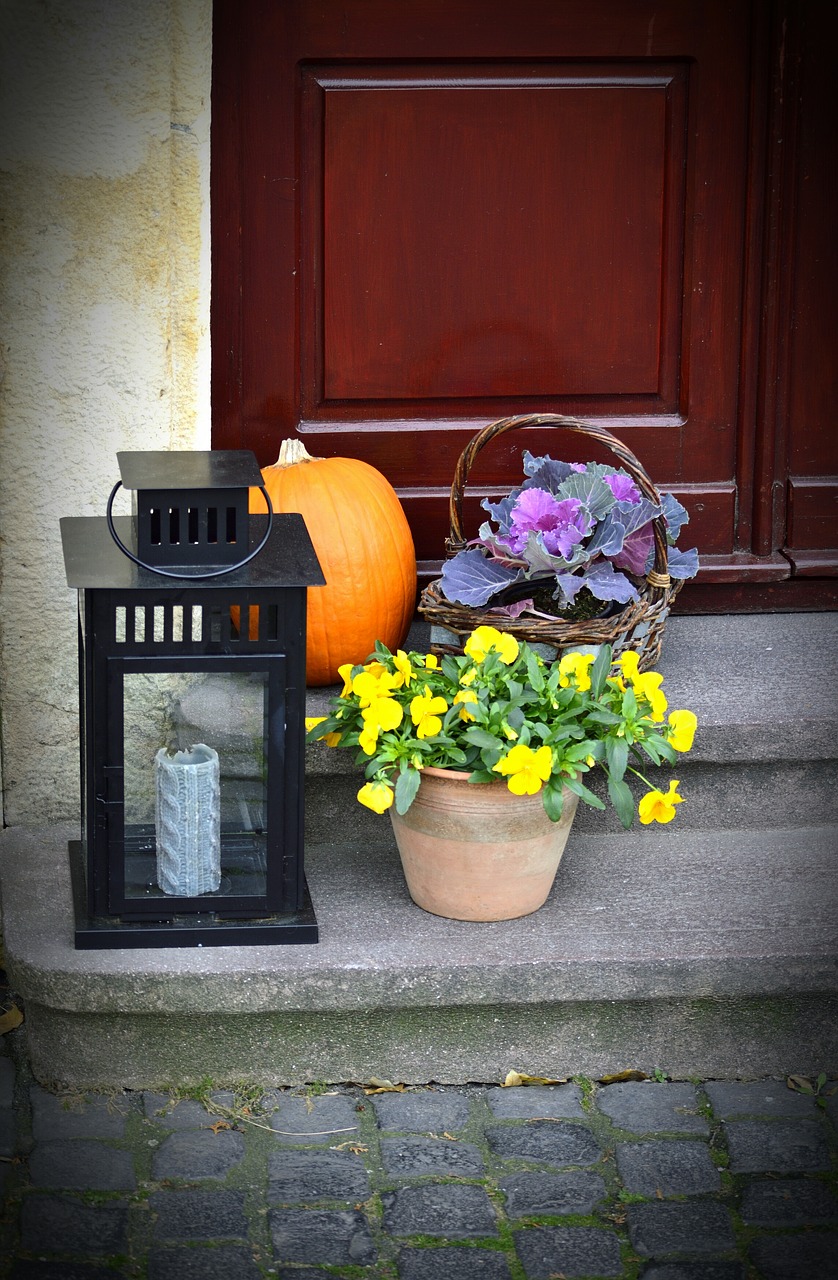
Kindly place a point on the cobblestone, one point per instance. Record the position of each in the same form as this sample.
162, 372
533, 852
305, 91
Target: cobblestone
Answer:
667, 1167
635, 1180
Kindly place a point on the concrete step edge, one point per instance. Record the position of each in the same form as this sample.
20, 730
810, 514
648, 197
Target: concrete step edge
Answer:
701, 915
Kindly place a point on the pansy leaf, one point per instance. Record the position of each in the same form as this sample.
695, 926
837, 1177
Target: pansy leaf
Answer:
407, 784
479, 737
579, 789
657, 748
601, 716
599, 670
622, 800
480, 776
470, 578
683, 564
535, 671
616, 754
450, 668
553, 800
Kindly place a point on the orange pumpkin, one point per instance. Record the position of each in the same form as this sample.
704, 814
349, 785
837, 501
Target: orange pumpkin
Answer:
365, 549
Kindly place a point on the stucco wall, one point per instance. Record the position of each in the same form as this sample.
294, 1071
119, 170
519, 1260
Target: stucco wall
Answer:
104, 319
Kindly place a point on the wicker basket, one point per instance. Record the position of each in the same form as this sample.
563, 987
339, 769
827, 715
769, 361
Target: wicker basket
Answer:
638, 626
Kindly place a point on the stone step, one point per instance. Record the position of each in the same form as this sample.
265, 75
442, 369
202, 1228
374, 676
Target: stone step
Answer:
765, 690
715, 796
704, 952
707, 947
763, 686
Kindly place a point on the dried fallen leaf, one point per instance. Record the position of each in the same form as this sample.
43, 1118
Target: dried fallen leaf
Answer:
620, 1077
375, 1085
800, 1084
10, 1019
219, 1125
357, 1148
516, 1078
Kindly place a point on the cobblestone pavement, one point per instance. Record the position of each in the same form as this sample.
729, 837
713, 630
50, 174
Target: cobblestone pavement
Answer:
661, 1180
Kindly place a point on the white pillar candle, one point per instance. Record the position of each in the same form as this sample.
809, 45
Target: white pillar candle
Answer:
188, 821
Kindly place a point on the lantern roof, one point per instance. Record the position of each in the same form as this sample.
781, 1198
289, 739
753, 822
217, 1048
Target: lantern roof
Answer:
93, 560
173, 469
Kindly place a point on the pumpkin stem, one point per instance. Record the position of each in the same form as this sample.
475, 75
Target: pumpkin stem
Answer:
291, 452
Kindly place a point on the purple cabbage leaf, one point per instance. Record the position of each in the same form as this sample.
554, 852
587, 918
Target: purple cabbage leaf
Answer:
501, 512
675, 515
562, 525
606, 584
591, 490
607, 538
472, 578
623, 487
636, 518
515, 609
636, 550
540, 560
683, 564
545, 472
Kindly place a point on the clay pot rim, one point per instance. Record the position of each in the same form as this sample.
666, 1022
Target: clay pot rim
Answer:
456, 775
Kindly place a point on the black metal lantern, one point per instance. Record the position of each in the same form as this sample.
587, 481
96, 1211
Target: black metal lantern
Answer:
192, 645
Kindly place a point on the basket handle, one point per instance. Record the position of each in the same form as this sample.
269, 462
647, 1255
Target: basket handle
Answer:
658, 576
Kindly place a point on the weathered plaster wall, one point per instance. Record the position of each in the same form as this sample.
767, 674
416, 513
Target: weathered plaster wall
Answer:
104, 319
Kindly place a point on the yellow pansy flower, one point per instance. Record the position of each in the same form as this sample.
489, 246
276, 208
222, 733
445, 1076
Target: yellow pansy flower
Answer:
330, 739
368, 737
385, 712
425, 712
464, 697
373, 682
431, 661
345, 673
656, 806
628, 663
527, 770
376, 795
682, 727
484, 640
648, 686
404, 671
576, 668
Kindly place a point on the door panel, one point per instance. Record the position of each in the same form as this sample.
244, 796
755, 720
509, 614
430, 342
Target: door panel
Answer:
427, 216
421, 191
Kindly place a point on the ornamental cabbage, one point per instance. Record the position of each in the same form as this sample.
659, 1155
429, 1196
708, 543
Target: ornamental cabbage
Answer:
568, 526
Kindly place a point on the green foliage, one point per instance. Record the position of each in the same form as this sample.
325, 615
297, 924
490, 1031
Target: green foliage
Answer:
498, 710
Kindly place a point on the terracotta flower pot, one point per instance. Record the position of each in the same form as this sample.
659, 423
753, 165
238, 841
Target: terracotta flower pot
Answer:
476, 851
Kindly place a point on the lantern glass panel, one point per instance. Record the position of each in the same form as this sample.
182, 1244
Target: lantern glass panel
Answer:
195, 784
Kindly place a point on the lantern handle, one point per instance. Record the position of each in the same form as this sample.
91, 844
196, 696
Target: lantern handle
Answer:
167, 573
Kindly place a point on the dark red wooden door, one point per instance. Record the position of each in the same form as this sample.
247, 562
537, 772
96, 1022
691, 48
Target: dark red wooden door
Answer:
431, 214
